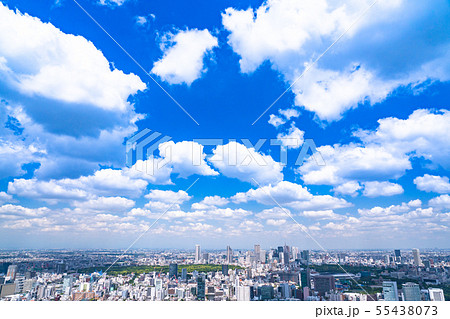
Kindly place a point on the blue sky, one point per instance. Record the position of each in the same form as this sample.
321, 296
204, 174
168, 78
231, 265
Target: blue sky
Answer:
375, 105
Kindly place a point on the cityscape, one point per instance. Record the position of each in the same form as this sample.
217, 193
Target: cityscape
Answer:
246, 151
281, 273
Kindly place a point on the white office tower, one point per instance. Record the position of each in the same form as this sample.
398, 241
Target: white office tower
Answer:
416, 256
198, 253
243, 293
262, 256
411, 292
257, 253
436, 294
229, 255
390, 291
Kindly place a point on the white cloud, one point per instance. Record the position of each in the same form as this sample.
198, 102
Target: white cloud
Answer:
105, 182
276, 120
141, 20
210, 202
440, 202
375, 189
423, 134
275, 222
289, 113
330, 93
284, 192
345, 163
431, 183
14, 155
5, 198
186, 158
349, 188
39, 59
235, 160
365, 67
111, 3
103, 204
274, 213
183, 57
293, 138
322, 214
168, 197
18, 210
291, 195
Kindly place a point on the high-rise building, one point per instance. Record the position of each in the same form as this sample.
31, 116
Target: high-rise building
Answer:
198, 253
436, 294
229, 255
60, 268
305, 256
184, 274
390, 291
257, 252
416, 256
398, 255
173, 271
266, 292
324, 283
225, 270
11, 273
243, 293
201, 287
411, 292
305, 278
205, 257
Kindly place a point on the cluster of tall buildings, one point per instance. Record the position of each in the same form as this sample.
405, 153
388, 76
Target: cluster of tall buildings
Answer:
281, 273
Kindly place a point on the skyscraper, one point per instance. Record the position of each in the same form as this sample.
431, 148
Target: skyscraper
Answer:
436, 294
257, 252
398, 255
201, 287
305, 278
416, 256
11, 273
411, 292
229, 255
184, 274
225, 270
173, 271
198, 253
390, 291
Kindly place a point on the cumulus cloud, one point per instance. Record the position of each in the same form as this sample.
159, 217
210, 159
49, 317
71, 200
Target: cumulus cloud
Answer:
106, 204
348, 188
423, 134
210, 202
293, 138
345, 163
186, 158
361, 69
5, 198
291, 195
168, 197
105, 182
440, 202
375, 189
432, 183
322, 214
111, 3
39, 59
235, 160
183, 57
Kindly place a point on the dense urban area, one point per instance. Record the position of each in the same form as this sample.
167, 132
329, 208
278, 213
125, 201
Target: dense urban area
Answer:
282, 273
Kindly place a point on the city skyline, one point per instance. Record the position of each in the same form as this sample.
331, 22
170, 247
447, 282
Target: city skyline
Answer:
139, 124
